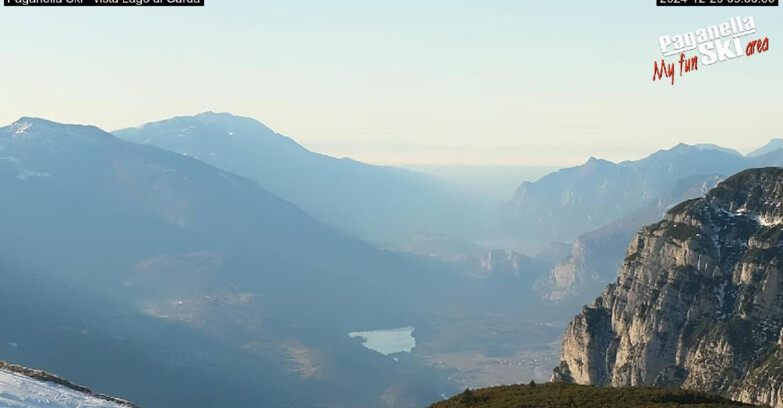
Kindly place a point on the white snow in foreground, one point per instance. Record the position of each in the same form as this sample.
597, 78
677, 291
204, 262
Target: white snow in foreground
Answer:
19, 391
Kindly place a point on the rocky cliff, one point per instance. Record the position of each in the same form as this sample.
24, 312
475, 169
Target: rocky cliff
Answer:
698, 302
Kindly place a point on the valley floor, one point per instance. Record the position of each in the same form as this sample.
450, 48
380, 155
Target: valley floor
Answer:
492, 349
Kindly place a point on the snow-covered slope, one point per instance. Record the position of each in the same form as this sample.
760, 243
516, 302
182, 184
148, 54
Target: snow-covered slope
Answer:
20, 391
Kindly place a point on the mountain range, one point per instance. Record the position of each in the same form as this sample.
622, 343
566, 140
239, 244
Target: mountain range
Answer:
201, 249
238, 292
377, 203
570, 202
773, 145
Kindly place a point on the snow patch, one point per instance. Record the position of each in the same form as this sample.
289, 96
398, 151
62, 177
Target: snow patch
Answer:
27, 174
769, 221
721, 297
763, 220
22, 128
19, 391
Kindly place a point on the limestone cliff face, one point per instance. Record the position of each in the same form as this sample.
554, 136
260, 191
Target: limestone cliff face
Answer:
698, 302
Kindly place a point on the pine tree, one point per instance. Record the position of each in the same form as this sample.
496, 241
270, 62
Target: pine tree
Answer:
466, 397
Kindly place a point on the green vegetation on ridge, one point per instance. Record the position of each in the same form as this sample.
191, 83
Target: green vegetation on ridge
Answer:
559, 395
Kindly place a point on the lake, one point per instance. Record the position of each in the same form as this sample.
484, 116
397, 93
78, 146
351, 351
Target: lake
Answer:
389, 341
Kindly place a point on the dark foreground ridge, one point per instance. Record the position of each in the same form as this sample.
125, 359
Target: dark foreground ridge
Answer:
559, 395
51, 378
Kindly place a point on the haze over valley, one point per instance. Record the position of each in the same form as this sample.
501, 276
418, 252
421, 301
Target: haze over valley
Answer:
363, 204
244, 269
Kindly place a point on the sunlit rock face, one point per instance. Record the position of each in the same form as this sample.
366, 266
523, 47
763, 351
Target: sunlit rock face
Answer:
698, 300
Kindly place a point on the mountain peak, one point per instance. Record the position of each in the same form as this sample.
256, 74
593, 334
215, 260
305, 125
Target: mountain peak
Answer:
213, 137
233, 123
26, 122
687, 148
680, 148
594, 161
210, 113
771, 146
712, 146
36, 121
33, 127
30, 119
206, 124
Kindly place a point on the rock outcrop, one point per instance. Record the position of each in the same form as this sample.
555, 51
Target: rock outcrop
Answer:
698, 303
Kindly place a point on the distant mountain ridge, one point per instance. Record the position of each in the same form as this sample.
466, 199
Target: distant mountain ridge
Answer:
773, 145
564, 204
376, 202
233, 285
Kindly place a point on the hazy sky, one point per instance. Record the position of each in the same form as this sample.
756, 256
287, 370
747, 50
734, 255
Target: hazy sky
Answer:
497, 82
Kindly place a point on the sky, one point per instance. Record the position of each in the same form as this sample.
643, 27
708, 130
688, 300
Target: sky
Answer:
405, 82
